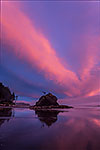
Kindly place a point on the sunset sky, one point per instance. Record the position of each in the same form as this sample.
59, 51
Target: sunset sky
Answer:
51, 46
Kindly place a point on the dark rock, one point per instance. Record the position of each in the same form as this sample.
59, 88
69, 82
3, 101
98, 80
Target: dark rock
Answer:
5, 94
47, 100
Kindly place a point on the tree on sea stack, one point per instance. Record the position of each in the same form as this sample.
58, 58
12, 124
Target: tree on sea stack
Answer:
44, 92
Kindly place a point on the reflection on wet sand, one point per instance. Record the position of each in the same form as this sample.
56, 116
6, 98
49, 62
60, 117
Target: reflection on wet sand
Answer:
47, 116
5, 112
77, 129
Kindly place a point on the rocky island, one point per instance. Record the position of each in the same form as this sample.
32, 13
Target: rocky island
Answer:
48, 101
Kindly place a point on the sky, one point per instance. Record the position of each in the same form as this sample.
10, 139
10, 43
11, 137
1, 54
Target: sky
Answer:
50, 46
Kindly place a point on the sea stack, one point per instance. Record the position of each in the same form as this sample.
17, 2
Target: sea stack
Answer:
47, 100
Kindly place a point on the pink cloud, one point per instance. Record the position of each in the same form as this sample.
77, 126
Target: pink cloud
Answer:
31, 45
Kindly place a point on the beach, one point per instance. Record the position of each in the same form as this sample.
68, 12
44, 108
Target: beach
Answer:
72, 129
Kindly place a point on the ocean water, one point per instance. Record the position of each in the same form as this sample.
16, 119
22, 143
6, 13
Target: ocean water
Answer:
70, 129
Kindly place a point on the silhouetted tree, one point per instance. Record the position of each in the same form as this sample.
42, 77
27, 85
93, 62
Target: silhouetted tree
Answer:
13, 96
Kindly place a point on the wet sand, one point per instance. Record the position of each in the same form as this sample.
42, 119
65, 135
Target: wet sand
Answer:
74, 129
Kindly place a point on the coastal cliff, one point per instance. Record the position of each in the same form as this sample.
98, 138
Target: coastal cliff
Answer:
5, 95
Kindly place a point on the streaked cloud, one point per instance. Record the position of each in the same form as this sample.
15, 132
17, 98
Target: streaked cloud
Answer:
30, 45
